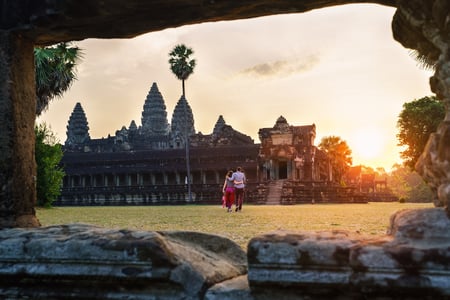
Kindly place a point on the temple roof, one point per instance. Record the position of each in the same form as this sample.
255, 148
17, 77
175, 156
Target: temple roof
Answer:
282, 126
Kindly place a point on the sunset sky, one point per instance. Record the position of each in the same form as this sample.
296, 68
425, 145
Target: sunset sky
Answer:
337, 67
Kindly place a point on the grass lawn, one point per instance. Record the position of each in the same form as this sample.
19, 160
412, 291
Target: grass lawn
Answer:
368, 219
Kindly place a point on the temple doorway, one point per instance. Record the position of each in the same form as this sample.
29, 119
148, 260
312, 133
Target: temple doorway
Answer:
282, 170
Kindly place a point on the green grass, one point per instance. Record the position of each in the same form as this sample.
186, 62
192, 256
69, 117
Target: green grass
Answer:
368, 219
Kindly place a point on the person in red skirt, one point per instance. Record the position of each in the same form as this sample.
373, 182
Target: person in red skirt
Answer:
228, 190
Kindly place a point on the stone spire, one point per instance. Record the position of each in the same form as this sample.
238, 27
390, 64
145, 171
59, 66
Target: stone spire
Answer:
133, 126
219, 125
182, 120
154, 115
281, 124
77, 128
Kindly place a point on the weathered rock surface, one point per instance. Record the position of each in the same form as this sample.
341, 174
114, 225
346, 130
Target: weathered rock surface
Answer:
49, 22
233, 289
413, 261
80, 261
425, 27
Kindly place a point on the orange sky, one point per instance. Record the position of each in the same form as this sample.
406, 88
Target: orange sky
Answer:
337, 67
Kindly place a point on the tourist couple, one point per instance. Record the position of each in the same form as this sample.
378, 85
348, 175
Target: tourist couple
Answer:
233, 189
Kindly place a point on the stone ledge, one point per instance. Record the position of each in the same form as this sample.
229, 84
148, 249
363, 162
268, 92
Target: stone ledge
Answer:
326, 263
79, 261
88, 262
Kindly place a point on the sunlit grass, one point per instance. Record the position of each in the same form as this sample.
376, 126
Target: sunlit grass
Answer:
368, 219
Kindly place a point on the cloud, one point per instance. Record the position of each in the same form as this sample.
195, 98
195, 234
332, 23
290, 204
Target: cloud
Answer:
281, 67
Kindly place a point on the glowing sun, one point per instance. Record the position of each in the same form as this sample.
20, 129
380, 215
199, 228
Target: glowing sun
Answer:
367, 143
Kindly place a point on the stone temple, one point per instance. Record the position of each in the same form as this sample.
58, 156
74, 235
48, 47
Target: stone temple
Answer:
146, 164
87, 262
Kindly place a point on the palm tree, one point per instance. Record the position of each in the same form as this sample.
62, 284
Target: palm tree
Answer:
180, 63
182, 66
55, 72
339, 154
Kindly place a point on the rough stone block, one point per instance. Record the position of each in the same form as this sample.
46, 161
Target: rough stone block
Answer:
80, 261
413, 261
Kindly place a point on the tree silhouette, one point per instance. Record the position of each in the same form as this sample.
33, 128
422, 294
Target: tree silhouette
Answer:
416, 122
182, 66
55, 72
180, 63
339, 154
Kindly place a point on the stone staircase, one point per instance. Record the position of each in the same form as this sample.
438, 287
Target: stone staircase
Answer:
275, 190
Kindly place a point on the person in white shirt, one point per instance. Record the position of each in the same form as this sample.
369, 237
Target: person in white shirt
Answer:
239, 180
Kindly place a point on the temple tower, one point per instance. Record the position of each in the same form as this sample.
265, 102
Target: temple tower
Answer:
154, 116
219, 125
182, 123
77, 128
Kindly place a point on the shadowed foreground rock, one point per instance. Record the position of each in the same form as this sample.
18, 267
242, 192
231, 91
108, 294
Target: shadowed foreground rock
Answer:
412, 262
80, 261
85, 262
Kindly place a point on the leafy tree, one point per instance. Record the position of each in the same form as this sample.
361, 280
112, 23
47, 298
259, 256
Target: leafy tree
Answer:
180, 63
416, 122
55, 72
339, 153
182, 66
48, 154
408, 185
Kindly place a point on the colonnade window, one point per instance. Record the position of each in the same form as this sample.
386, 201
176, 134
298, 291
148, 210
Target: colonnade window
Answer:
171, 178
66, 181
133, 179
159, 178
146, 179
196, 178
109, 180
76, 181
210, 177
142, 179
87, 181
98, 180
122, 180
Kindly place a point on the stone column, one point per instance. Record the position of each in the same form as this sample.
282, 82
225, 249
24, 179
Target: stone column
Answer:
152, 179
17, 140
218, 177
203, 176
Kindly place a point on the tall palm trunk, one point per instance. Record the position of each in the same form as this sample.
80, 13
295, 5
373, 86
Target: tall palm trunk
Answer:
182, 67
186, 132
